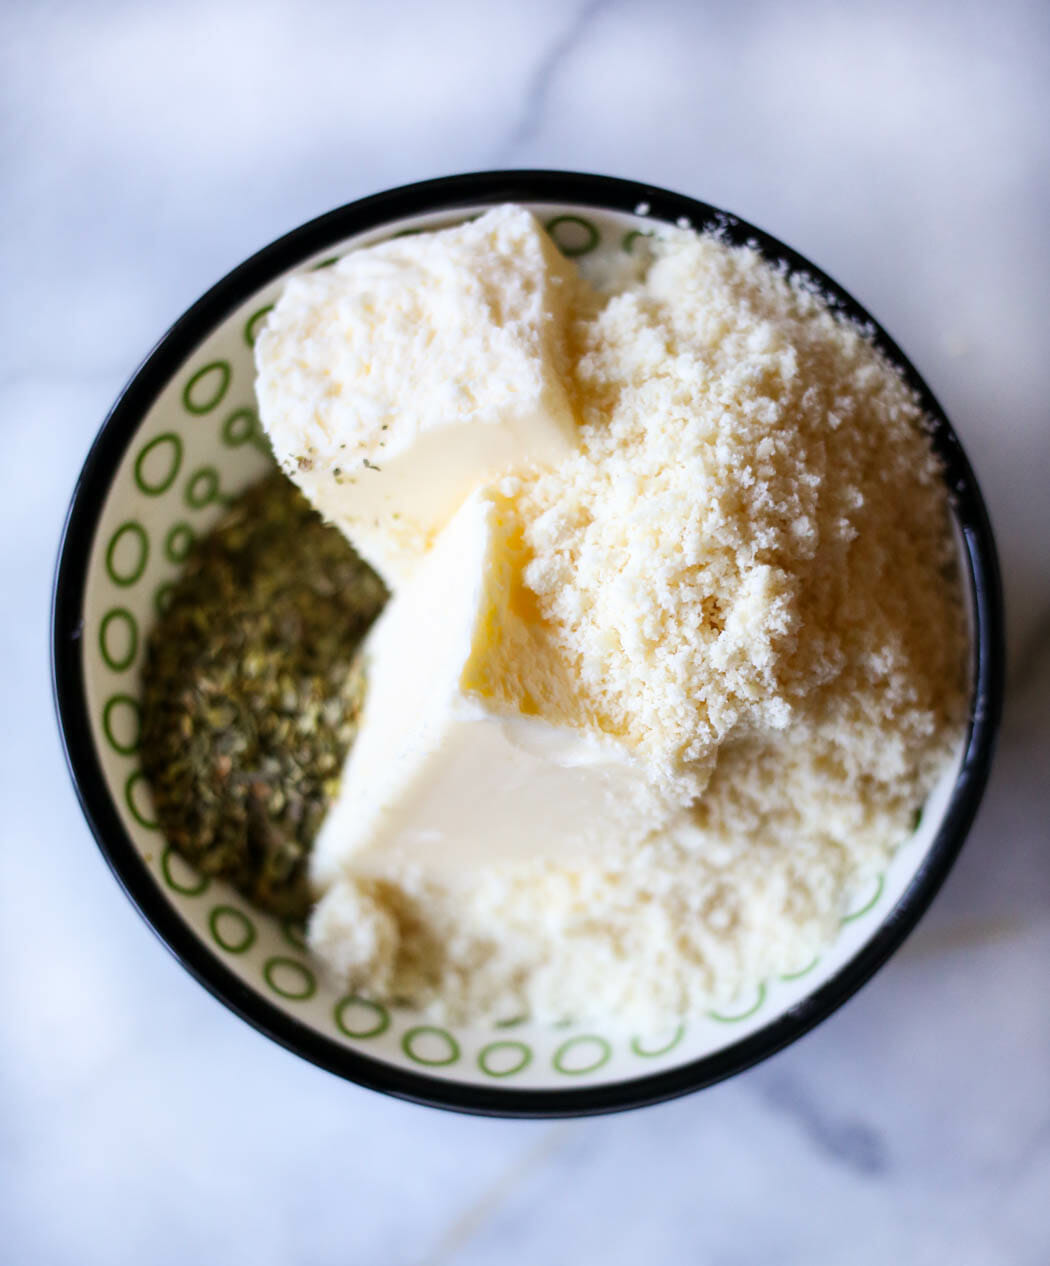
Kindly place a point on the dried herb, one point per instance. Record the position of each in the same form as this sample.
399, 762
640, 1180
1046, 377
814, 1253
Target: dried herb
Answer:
252, 691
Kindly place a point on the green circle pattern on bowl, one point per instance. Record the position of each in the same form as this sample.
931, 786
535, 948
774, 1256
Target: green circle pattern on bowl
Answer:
162, 597
652, 1053
736, 1017
410, 1044
231, 929
240, 428
566, 230
251, 326
290, 978
802, 971
868, 905
118, 661
129, 530
628, 240
122, 746
380, 1022
179, 542
294, 932
202, 488
134, 788
158, 483
595, 1052
521, 1054
206, 389
170, 862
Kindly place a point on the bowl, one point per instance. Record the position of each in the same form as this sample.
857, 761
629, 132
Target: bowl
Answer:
181, 438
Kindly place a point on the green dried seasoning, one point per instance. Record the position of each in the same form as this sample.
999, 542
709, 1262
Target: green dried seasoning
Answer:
252, 690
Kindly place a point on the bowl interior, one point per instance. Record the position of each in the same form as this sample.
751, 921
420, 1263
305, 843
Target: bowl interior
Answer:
197, 444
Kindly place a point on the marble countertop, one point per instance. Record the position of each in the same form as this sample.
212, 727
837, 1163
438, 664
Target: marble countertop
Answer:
145, 150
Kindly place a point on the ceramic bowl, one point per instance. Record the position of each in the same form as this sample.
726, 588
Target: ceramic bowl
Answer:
183, 436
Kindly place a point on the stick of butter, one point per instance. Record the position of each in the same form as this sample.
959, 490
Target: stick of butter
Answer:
473, 747
410, 373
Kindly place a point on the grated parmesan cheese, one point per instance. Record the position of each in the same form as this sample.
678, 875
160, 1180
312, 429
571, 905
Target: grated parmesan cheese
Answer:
747, 567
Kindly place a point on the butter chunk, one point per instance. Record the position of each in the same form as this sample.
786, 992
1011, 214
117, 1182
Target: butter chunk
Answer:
410, 373
473, 748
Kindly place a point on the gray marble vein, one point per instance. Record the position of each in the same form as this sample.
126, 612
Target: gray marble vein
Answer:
852, 1142
537, 90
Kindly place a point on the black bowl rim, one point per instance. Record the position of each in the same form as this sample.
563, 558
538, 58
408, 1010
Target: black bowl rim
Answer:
446, 194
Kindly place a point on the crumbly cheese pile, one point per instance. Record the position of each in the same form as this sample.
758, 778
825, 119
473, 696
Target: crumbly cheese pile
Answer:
755, 511
744, 564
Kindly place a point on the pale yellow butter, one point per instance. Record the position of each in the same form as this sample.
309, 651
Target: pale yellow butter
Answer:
474, 749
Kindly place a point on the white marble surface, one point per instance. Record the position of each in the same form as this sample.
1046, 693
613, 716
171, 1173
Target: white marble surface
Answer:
144, 150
